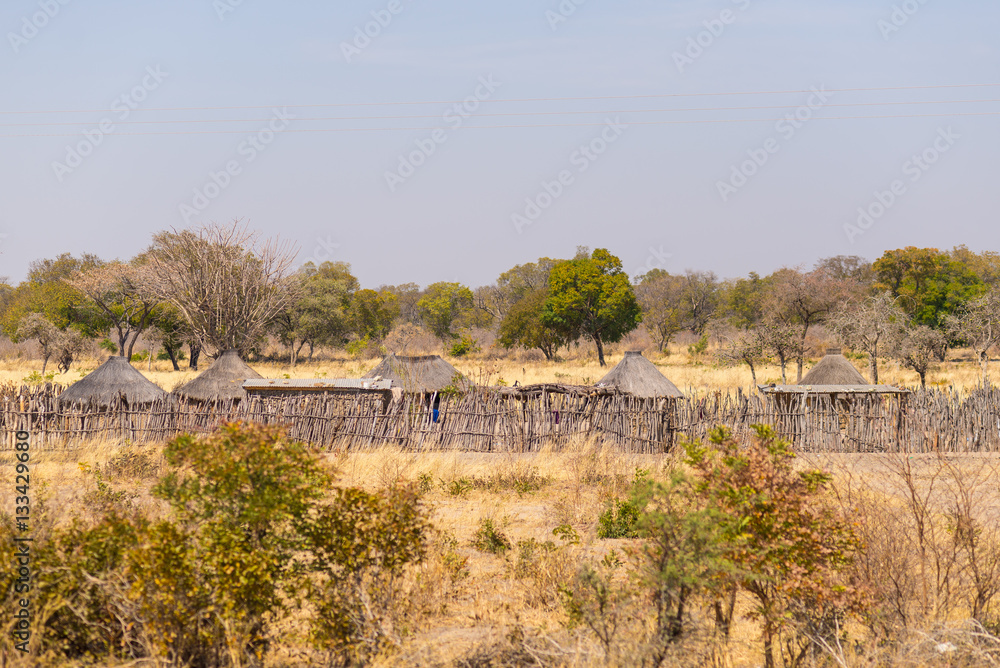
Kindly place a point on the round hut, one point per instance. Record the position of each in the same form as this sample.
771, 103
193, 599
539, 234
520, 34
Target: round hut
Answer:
113, 379
428, 374
833, 369
223, 381
648, 412
639, 377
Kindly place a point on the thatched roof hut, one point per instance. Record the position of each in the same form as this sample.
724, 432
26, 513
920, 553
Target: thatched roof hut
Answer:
116, 377
221, 381
639, 377
833, 369
419, 375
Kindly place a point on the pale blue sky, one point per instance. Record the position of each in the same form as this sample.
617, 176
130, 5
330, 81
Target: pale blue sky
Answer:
652, 197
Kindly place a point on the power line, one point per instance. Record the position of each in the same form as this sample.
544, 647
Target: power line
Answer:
498, 127
504, 114
519, 100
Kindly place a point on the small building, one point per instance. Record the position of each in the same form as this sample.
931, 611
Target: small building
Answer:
427, 374
115, 380
833, 403
223, 381
639, 377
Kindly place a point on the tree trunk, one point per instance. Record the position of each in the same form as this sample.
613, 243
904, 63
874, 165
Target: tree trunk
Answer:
984, 362
293, 353
600, 349
873, 366
753, 373
195, 353
45, 362
798, 374
131, 346
923, 379
172, 355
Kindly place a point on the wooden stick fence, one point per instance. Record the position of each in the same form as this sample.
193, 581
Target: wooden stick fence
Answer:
524, 419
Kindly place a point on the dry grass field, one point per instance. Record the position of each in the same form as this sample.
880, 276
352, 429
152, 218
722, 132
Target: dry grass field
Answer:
505, 609
480, 608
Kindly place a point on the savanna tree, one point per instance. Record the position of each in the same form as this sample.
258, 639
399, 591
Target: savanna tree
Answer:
872, 326
124, 295
919, 349
661, 297
977, 324
591, 296
227, 283
442, 306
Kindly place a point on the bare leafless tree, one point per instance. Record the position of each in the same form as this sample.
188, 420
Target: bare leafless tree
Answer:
782, 340
745, 346
977, 325
871, 325
226, 282
804, 299
37, 326
919, 349
123, 292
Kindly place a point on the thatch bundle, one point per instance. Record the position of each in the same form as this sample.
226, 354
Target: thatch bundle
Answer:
833, 369
639, 377
419, 375
221, 381
116, 377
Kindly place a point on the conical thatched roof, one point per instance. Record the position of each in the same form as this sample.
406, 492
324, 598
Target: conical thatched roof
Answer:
833, 369
416, 375
223, 380
639, 377
113, 378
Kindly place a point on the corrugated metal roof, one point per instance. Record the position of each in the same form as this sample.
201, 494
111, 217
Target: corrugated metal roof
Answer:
831, 389
317, 384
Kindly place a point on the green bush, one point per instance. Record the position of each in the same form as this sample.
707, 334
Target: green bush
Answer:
490, 538
619, 520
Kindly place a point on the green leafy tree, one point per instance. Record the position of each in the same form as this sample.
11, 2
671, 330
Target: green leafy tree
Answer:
227, 565
442, 306
522, 326
929, 284
789, 545
46, 291
320, 311
591, 296
373, 313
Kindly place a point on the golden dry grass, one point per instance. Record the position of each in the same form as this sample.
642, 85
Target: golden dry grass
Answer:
692, 376
461, 489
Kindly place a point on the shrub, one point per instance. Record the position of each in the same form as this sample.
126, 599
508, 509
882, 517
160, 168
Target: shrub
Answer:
490, 538
619, 520
362, 545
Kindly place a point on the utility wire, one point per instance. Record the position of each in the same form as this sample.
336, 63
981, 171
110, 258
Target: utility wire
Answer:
527, 99
497, 127
502, 114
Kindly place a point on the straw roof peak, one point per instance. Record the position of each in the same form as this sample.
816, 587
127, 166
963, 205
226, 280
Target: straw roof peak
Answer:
420, 374
113, 378
833, 369
639, 377
223, 380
